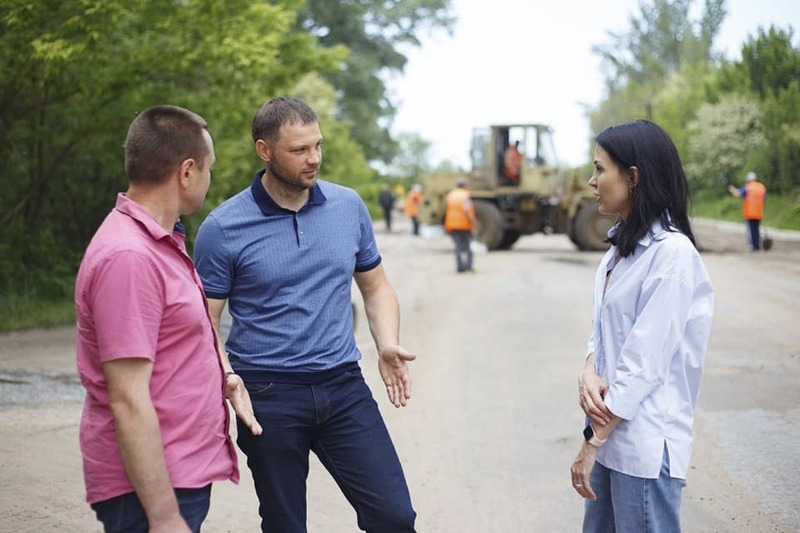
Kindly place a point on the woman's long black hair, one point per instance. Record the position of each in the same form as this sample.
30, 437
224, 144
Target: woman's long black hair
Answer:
662, 190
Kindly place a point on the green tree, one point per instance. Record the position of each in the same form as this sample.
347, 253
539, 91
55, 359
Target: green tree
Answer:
769, 72
770, 62
75, 72
375, 32
649, 73
412, 159
781, 125
724, 135
660, 40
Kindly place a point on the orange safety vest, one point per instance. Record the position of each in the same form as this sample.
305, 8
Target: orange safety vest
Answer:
753, 204
459, 211
512, 160
412, 203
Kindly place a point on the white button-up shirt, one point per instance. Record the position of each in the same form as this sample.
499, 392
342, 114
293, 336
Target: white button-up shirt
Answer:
650, 335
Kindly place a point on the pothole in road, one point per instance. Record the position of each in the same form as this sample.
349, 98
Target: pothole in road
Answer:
31, 388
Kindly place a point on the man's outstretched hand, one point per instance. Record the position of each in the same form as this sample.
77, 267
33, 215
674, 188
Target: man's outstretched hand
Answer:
393, 366
240, 401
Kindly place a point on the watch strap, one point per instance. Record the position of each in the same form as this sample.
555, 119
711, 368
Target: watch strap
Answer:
592, 438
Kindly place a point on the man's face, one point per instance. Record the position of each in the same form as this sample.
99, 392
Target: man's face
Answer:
295, 158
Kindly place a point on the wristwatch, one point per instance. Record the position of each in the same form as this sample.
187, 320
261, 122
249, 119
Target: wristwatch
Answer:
592, 438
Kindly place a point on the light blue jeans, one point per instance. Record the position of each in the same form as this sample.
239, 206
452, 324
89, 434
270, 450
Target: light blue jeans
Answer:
627, 504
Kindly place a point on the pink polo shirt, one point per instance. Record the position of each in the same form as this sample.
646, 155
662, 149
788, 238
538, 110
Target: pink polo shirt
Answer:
138, 295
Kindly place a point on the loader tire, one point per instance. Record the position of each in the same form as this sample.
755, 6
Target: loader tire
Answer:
591, 228
510, 236
489, 226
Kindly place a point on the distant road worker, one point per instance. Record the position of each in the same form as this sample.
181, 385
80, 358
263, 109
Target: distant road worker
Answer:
511, 162
413, 199
459, 220
753, 195
386, 201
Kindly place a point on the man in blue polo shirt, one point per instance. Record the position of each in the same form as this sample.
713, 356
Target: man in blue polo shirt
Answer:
283, 254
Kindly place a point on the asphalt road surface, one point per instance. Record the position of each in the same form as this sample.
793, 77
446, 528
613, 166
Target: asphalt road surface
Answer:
493, 424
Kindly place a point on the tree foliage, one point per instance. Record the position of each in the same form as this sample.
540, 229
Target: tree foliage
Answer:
769, 74
74, 73
769, 64
375, 32
726, 117
656, 69
724, 135
412, 157
661, 40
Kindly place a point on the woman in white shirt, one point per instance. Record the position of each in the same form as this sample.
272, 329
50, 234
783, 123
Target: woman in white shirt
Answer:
653, 304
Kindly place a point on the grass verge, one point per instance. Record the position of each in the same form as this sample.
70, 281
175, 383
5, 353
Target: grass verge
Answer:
18, 313
782, 212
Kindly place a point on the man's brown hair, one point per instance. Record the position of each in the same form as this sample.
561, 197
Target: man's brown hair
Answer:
159, 139
277, 112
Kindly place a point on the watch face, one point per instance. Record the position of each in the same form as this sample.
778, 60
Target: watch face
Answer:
588, 432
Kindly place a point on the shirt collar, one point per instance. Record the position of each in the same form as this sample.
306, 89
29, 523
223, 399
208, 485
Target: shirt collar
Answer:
657, 231
270, 207
128, 207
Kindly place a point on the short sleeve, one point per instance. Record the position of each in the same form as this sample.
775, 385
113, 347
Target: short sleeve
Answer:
213, 260
127, 299
368, 256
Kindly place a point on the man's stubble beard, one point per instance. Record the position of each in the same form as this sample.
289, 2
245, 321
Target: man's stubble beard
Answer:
278, 172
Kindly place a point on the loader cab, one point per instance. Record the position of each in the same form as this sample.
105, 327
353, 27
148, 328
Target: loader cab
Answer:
493, 158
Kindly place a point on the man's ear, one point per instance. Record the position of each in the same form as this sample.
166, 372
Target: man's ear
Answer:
263, 150
185, 172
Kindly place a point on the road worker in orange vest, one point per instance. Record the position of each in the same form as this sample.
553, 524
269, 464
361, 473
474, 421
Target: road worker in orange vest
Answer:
753, 195
511, 163
413, 199
459, 220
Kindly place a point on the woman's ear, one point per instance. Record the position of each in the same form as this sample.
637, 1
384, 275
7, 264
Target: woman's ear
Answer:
634, 176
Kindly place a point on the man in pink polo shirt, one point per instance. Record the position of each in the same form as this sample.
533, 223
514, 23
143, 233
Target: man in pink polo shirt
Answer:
154, 428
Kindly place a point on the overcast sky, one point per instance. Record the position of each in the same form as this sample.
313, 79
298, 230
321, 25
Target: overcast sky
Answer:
531, 61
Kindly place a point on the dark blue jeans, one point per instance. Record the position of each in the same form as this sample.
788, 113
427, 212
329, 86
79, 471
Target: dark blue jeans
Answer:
125, 514
339, 421
462, 239
753, 234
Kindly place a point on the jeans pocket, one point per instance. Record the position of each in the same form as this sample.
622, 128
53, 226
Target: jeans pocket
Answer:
352, 374
260, 389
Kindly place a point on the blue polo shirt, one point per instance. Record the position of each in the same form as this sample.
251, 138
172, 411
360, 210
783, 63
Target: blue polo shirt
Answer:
287, 276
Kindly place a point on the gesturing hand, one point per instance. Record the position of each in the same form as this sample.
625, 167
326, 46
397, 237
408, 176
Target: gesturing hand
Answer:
240, 401
393, 366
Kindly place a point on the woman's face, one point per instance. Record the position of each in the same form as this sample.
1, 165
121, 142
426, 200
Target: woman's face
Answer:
612, 184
